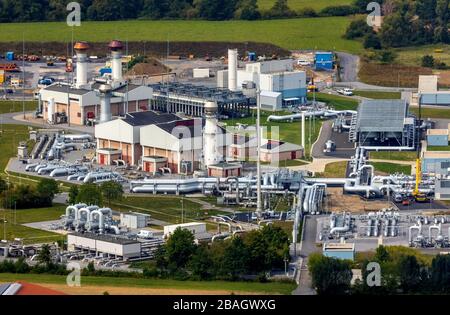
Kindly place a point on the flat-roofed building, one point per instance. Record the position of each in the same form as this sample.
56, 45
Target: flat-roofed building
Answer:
339, 250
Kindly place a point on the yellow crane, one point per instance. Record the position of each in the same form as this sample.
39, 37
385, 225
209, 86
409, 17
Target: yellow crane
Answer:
420, 197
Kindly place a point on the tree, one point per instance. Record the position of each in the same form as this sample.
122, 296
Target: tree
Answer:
73, 194
372, 41
428, 61
201, 263
112, 191
90, 194
358, 28
3, 185
235, 258
440, 274
47, 189
216, 9
247, 10
281, 9
44, 256
442, 19
330, 275
381, 254
180, 247
410, 274
155, 9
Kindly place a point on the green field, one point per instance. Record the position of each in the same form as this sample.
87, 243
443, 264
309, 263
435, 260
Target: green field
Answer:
165, 208
334, 170
393, 155
432, 112
301, 4
438, 148
16, 106
335, 101
254, 287
290, 132
391, 168
412, 56
10, 136
307, 33
15, 229
378, 95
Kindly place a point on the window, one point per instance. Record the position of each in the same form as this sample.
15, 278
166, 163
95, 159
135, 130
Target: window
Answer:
445, 183
445, 164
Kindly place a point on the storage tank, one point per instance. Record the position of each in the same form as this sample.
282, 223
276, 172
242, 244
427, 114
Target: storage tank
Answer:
81, 49
51, 111
232, 69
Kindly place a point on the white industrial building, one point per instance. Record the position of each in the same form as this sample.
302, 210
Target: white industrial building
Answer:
198, 229
104, 244
280, 85
96, 100
134, 220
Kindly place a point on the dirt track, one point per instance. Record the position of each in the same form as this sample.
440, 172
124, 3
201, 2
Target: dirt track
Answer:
158, 49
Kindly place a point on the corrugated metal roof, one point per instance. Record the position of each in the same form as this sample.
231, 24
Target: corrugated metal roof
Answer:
149, 118
381, 115
65, 89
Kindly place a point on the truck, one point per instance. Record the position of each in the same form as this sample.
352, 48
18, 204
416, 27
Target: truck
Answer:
144, 234
330, 146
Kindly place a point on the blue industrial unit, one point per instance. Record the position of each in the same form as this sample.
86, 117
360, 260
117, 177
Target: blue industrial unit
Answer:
251, 56
437, 137
10, 56
437, 162
339, 250
324, 60
103, 71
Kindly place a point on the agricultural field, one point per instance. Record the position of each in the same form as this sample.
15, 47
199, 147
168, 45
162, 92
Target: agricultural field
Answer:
16, 106
15, 219
123, 285
307, 33
412, 56
317, 5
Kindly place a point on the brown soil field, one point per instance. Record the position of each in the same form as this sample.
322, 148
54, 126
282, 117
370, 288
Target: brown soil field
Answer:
112, 290
157, 49
339, 202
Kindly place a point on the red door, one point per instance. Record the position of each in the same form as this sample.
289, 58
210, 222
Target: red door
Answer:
293, 155
102, 159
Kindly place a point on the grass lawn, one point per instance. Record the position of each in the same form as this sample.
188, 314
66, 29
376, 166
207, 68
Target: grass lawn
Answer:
300, 4
17, 106
308, 33
290, 132
336, 101
378, 95
165, 208
334, 170
393, 155
15, 229
438, 148
431, 112
391, 168
412, 56
10, 136
254, 287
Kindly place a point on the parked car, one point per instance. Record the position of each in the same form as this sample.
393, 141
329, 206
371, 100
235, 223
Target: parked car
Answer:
345, 91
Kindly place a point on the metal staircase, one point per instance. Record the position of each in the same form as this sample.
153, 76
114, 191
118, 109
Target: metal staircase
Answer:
352, 133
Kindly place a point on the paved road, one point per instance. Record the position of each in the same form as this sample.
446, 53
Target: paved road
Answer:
308, 246
349, 67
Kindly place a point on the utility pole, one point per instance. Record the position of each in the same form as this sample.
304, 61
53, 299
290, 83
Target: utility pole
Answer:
23, 74
258, 150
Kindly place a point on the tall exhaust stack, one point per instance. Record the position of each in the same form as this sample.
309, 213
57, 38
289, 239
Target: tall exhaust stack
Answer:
81, 49
210, 153
116, 48
105, 103
232, 69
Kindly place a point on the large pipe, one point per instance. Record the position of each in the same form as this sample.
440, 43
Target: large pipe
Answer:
309, 114
105, 103
418, 228
232, 69
303, 131
100, 220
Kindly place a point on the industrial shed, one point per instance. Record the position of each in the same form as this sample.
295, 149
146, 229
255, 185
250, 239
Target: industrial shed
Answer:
383, 123
339, 250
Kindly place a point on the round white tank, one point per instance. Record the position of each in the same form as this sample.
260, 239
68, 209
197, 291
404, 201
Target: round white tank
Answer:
210, 132
81, 69
232, 69
51, 111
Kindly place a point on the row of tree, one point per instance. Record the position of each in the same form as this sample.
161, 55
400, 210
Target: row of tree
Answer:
93, 194
405, 23
109, 10
255, 253
401, 271
26, 196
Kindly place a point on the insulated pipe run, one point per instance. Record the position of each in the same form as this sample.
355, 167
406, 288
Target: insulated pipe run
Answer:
101, 224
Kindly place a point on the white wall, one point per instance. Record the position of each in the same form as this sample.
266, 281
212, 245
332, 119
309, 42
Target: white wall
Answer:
118, 130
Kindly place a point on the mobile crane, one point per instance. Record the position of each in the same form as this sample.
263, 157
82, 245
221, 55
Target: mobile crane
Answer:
418, 196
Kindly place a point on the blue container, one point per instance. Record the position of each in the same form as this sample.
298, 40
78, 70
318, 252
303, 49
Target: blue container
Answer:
251, 56
324, 61
10, 56
103, 71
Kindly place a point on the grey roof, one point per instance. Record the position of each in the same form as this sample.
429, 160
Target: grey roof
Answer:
149, 118
381, 115
66, 88
107, 238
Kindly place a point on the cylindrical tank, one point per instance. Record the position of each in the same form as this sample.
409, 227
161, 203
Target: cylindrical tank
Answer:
232, 69
116, 48
105, 103
81, 51
51, 111
211, 155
